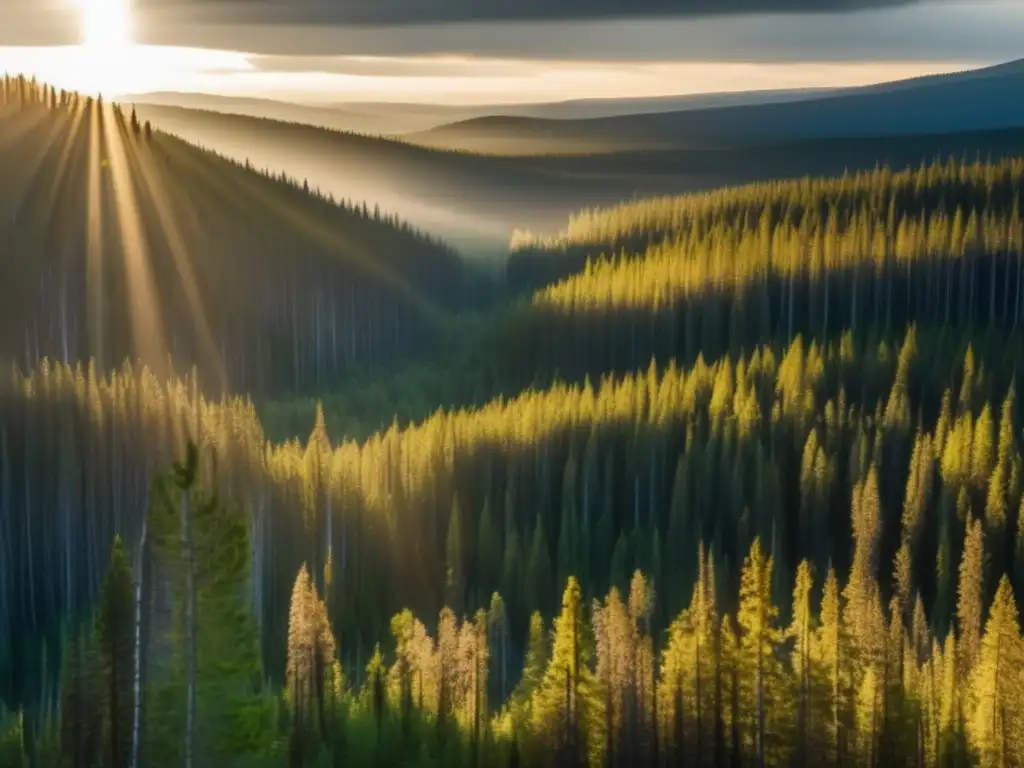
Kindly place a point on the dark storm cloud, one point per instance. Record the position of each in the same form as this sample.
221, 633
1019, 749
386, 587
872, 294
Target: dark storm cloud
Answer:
399, 12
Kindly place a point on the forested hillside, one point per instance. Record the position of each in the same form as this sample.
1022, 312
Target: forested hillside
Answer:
770, 461
121, 242
708, 274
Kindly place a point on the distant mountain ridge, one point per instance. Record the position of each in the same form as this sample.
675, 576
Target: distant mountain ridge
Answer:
973, 100
399, 118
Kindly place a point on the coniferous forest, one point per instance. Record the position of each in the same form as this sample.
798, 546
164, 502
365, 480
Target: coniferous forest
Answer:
745, 488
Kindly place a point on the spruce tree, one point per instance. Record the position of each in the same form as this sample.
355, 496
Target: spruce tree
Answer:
455, 584
115, 651
833, 650
538, 573
565, 704
79, 714
969, 599
760, 672
801, 630
310, 671
996, 715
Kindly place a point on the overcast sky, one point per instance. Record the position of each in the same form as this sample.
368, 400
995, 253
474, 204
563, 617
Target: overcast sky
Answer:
317, 49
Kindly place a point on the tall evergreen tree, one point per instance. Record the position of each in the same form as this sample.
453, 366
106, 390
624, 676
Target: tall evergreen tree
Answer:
115, 630
996, 714
761, 675
969, 603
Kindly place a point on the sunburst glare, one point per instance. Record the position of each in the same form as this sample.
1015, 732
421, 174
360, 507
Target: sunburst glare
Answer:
106, 43
106, 24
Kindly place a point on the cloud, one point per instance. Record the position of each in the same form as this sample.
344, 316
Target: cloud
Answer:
37, 22
402, 66
605, 30
402, 12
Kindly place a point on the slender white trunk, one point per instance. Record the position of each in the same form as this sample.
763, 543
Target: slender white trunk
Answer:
137, 721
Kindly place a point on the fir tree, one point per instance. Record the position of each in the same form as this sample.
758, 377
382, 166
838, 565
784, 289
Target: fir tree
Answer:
760, 674
969, 602
115, 626
996, 715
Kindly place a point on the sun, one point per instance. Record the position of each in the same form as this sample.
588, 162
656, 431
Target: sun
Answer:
103, 56
106, 25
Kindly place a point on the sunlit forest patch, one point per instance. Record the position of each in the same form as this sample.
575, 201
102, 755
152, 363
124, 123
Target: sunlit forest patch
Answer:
745, 487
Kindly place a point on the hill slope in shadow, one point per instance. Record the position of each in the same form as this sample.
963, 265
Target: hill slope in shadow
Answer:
120, 243
473, 201
477, 201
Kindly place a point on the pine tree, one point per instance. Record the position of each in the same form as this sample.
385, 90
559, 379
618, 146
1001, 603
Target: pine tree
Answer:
760, 672
801, 630
615, 640
455, 574
300, 663
641, 609
538, 573
982, 449
969, 602
310, 668
79, 722
115, 625
862, 586
1018, 553
488, 553
499, 641
569, 556
996, 715
833, 651
565, 704
703, 614
534, 666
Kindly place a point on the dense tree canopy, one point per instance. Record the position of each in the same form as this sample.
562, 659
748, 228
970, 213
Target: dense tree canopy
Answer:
770, 461
121, 245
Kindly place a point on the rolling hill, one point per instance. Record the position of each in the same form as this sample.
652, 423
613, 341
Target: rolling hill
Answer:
478, 201
398, 118
472, 201
118, 242
982, 99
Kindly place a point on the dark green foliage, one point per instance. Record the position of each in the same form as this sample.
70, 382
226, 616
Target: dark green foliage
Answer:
115, 659
234, 711
810, 372
192, 259
80, 714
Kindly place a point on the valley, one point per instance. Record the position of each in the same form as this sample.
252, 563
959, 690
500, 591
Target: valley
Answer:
562, 438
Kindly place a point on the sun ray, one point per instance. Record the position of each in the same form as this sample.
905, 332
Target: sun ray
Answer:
26, 184
172, 235
61, 227
63, 164
299, 219
143, 301
96, 331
